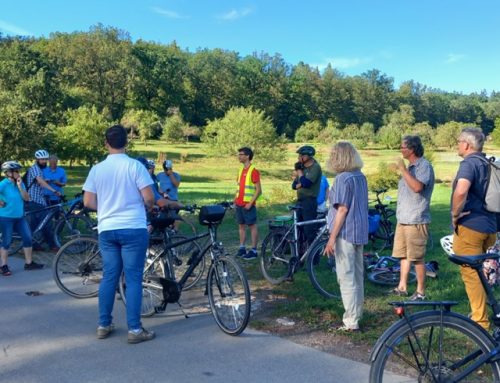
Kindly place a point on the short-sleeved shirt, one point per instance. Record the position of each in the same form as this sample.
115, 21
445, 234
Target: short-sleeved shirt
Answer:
312, 173
414, 208
323, 187
351, 190
50, 175
35, 190
117, 181
166, 185
255, 176
475, 171
14, 203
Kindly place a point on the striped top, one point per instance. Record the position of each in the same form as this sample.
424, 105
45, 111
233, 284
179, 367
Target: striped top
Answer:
351, 190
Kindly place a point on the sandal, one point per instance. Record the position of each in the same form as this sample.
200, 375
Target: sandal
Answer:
398, 292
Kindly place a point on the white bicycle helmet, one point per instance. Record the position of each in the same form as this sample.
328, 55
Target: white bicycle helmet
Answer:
42, 154
10, 166
151, 164
447, 244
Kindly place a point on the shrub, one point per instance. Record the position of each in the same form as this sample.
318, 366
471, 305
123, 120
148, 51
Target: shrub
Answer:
331, 133
387, 177
424, 131
244, 127
174, 129
144, 123
447, 134
389, 136
308, 132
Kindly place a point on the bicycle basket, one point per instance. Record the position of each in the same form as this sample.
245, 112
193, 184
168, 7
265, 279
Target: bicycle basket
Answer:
280, 221
373, 223
211, 214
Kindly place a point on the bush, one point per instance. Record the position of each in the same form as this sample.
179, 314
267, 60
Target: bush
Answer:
308, 132
446, 135
495, 134
174, 129
144, 123
331, 133
244, 127
424, 131
390, 136
387, 177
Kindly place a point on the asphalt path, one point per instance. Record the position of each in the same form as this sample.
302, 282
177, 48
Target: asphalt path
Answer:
51, 338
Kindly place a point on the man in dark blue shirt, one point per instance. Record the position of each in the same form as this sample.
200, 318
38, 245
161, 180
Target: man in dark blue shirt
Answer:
474, 227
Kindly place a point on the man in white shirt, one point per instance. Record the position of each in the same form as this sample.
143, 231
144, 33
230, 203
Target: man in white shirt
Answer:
119, 188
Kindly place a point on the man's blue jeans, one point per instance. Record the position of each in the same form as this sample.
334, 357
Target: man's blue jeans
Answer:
123, 249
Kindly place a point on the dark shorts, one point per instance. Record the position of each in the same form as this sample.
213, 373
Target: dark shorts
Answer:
246, 217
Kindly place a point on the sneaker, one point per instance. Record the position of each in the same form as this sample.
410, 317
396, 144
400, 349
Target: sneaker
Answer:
142, 336
241, 252
104, 331
345, 329
33, 266
5, 271
417, 297
398, 292
252, 254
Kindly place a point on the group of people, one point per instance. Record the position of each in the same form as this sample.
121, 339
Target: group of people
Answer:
120, 188
44, 186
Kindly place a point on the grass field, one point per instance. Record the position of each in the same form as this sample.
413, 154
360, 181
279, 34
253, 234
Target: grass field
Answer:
207, 180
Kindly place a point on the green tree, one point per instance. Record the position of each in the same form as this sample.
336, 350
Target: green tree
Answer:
424, 131
82, 138
446, 135
308, 132
145, 123
174, 129
495, 134
331, 133
244, 127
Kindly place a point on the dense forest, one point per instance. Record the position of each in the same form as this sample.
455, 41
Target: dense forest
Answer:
48, 85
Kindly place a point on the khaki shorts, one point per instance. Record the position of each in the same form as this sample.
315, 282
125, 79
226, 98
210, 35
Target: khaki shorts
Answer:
410, 242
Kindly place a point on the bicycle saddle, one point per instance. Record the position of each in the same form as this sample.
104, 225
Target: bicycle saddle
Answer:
472, 260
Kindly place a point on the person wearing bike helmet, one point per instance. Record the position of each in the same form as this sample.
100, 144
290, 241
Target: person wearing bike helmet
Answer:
12, 196
169, 181
307, 182
35, 186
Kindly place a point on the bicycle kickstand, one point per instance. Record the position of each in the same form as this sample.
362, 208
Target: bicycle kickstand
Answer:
183, 312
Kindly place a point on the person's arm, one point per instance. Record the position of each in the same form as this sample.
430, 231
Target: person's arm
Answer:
415, 185
148, 197
63, 181
458, 200
90, 200
45, 185
258, 192
340, 217
22, 190
176, 182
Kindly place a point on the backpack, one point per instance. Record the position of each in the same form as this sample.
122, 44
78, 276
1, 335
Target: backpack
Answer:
492, 196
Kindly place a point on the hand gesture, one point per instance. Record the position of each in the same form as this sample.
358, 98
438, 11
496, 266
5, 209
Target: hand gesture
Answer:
329, 248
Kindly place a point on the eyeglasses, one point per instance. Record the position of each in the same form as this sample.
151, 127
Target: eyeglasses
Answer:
459, 141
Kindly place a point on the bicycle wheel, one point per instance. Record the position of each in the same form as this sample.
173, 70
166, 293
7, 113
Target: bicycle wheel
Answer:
72, 227
276, 253
382, 238
180, 261
77, 267
229, 295
322, 271
152, 291
389, 277
427, 352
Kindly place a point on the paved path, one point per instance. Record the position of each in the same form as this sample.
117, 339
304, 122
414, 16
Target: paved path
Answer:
51, 338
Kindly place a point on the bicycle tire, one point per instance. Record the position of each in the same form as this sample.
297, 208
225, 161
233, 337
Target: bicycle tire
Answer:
77, 267
75, 225
389, 277
382, 239
322, 271
460, 338
180, 261
229, 295
276, 253
152, 291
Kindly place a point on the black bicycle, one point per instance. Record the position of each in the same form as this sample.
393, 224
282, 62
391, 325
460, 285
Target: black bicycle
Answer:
226, 286
381, 216
438, 345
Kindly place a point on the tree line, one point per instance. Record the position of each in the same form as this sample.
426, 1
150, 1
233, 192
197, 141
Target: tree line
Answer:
61, 91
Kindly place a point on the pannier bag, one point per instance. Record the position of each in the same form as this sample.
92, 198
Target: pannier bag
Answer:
211, 214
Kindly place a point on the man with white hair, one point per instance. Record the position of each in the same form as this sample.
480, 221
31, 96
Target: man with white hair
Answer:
474, 227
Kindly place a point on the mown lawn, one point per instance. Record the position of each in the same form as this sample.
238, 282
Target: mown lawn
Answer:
208, 180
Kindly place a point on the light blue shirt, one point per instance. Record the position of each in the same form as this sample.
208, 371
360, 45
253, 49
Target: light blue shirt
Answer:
166, 185
51, 175
14, 203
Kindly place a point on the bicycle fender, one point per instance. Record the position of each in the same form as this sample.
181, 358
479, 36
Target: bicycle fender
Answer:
403, 322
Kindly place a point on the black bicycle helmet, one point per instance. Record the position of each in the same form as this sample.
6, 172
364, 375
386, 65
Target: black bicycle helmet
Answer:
10, 166
307, 151
143, 161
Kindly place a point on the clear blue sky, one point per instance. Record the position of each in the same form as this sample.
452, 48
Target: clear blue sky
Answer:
448, 44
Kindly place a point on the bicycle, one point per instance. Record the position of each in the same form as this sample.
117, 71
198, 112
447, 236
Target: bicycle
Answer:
67, 226
77, 267
439, 345
226, 285
284, 249
383, 236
